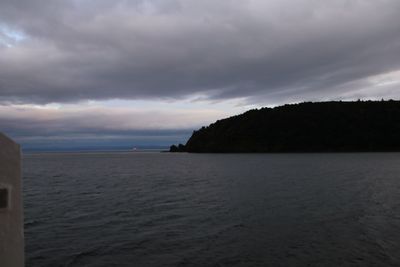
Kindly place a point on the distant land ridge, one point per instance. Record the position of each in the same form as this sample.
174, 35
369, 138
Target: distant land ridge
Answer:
335, 126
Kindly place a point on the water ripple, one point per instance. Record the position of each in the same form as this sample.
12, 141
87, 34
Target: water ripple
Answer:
161, 209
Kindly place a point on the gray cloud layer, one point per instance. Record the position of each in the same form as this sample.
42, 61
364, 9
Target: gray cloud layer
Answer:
62, 51
35, 127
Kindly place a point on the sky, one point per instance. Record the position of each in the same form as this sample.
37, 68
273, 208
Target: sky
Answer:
119, 73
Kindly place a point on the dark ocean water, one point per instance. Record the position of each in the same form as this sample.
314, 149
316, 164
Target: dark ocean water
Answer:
162, 209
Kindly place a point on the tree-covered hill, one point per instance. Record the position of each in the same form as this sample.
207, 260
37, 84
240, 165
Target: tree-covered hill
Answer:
305, 127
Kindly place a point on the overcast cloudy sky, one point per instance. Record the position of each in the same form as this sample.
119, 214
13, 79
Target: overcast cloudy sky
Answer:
148, 72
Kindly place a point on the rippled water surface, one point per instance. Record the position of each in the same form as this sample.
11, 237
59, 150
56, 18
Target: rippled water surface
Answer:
162, 209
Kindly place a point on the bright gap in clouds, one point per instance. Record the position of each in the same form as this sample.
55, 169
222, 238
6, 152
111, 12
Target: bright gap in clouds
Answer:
118, 124
10, 37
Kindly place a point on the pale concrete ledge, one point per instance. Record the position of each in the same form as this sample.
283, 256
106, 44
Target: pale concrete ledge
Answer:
11, 206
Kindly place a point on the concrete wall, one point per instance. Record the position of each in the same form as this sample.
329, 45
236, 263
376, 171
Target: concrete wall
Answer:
11, 206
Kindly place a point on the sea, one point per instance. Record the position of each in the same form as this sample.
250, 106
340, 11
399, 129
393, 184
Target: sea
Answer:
180, 209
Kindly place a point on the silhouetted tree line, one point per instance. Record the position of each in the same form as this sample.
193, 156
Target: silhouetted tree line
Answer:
305, 127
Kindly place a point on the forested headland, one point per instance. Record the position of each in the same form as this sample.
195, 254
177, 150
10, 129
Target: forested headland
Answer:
335, 126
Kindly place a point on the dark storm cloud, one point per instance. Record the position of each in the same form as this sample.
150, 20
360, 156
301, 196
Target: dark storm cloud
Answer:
62, 51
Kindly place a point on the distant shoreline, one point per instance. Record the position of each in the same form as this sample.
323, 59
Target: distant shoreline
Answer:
94, 151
